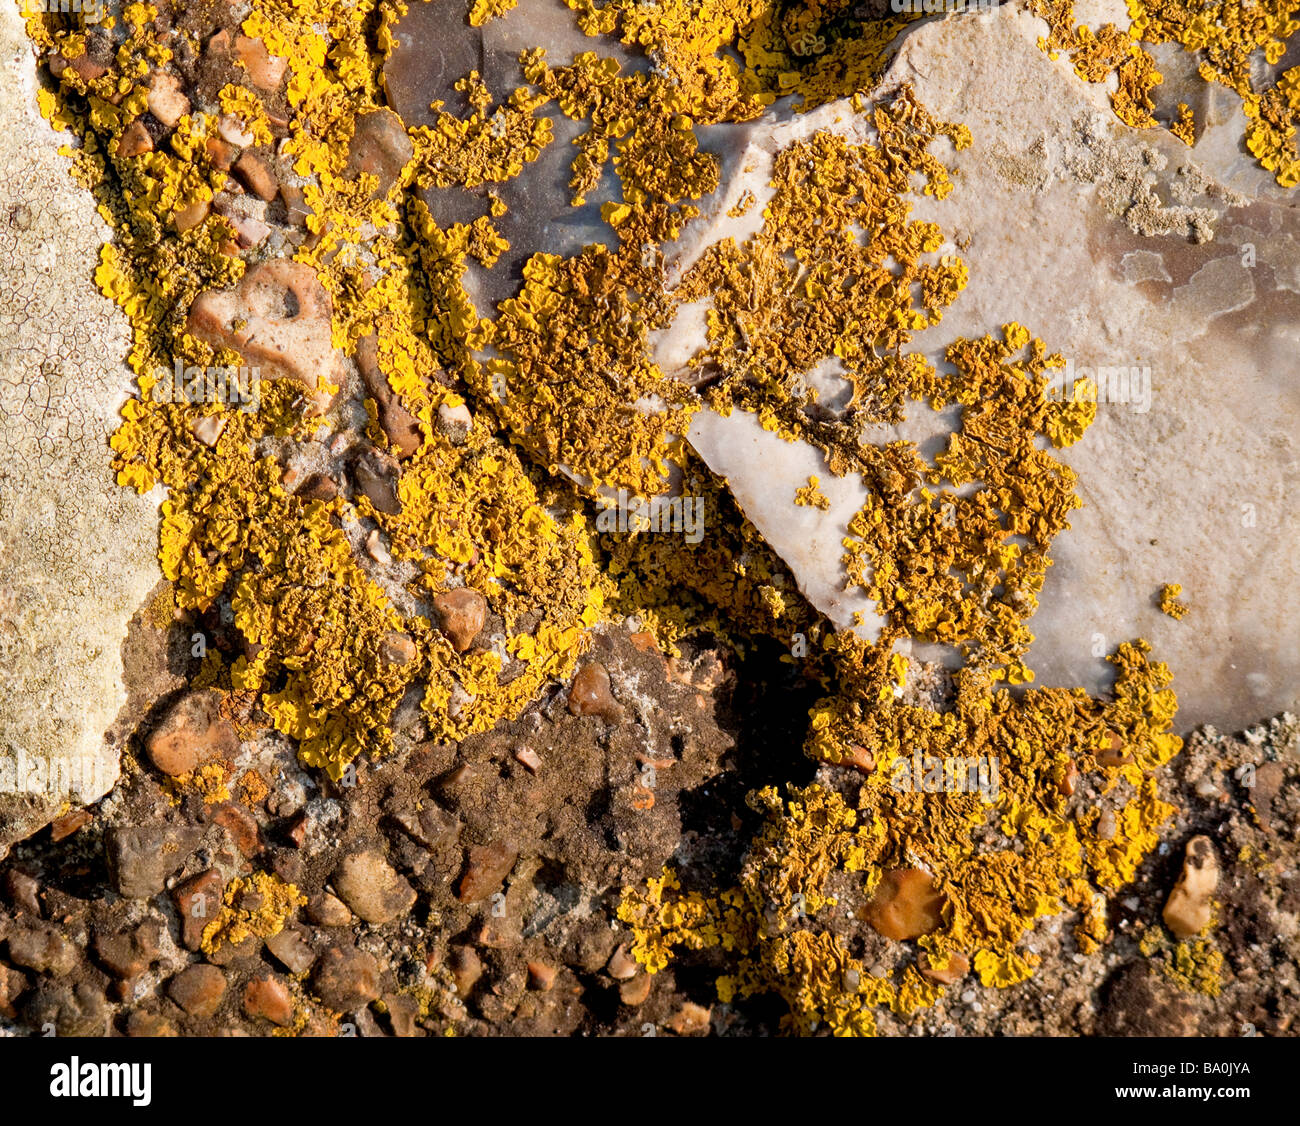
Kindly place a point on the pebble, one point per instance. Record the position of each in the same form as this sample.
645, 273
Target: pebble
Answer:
906, 904
268, 998
249, 232
957, 968
134, 141
466, 968
198, 901
222, 153
265, 70
141, 859
486, 866
142, 1024
590, 693
74, 1010
198, 989
397, 649
367, 883
859, 758
23, 891
621, 965
637, 991
128, 954
541, 976
461, 613
376, 550
529, 758
12, 985
41, 947
189, 217
376, 475
346, 977
379, 146
1189, 907
242, 828
278, 319
292, 950
256, 175
69, 823
401, 427
192, 731
167, 100
328, 910
233, 132
455, 422
403, 1013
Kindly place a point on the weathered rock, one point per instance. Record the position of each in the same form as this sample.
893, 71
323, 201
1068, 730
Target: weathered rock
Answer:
328, 910
241, 826
958, 967
461, 614
68, 1009
466, 968
376, 476
256, 175
78, 554
192, 732
167, 100
1190, 905
366, 882
292, 949
401, 427
140, 859
265, 70
346, 977
198, 989
23, 891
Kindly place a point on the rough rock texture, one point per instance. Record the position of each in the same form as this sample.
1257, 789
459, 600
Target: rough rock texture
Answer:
76, 551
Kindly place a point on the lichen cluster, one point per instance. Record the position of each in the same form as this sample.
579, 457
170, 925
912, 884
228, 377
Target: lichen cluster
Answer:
953, 551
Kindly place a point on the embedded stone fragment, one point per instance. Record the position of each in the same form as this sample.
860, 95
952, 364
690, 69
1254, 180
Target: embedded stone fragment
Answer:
1190, 906
198, 902
590, 693
485, 867
198, 989
461, 614
268, 998
346, 977
367, 883
278, 319
192, 732
380, 147
167, 100
401, 427
140, 859
905, 905
265, 70
956, 968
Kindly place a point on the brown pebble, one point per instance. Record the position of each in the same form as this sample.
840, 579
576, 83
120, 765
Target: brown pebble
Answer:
400, 426
268, 998
41, 947
242, 828
12, 986
291, 948
198, 989
1190, 905
256, 175
905, 905
192, 731
621, 965
367, 883
128, 954
69, 823
466, 968
328, 910
222, 153
167, 101
859, 758
134, 141
142, 1024
541, 976
198, 902
278, 319
265, 70
345, 978
486, 866
590, 693
23, 891
189, 217
957, 968
461, 613
397, 649
636, 991
529, 759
